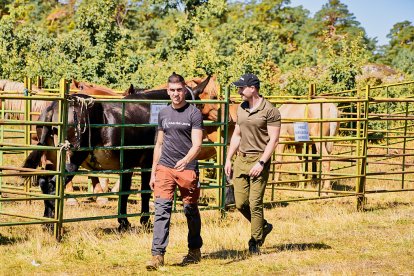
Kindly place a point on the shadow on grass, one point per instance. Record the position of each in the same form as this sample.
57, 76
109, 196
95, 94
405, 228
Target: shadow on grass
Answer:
130, 230
7, 240
267, 205
240, 255
299, 247
231, 255
386, 205
275, 205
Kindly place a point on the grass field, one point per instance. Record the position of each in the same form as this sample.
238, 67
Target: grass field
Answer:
318, 237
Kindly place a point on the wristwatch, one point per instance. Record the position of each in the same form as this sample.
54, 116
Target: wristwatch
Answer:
261, 163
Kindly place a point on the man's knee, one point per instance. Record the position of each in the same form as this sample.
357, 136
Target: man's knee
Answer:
244, 205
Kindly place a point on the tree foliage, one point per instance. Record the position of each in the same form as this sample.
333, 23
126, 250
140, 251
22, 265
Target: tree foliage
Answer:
118, 42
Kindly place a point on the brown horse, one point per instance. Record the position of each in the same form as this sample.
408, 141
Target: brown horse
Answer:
329, 129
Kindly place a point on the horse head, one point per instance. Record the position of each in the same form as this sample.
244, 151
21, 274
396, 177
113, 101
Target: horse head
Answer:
91, 89
81, 112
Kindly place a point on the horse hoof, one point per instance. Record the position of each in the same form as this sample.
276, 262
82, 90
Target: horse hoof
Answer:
124, 226
102, 201
72, 202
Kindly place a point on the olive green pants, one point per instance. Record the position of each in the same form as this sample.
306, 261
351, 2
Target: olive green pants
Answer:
249, 192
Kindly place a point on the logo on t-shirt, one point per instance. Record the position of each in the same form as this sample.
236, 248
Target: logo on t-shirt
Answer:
166, 123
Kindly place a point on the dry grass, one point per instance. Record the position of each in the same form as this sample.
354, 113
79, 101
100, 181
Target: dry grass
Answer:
319, 237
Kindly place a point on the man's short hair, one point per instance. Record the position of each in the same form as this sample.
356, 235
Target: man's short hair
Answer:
175, 78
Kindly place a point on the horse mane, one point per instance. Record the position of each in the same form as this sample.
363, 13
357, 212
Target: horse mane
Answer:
212, 89
160, 94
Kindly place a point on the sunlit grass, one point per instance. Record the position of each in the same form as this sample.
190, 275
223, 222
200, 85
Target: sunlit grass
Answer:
327, 237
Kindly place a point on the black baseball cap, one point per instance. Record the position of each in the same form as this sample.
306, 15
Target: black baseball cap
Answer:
248, 80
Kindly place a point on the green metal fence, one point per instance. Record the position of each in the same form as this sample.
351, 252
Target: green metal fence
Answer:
60, 197
375, 134
356, 169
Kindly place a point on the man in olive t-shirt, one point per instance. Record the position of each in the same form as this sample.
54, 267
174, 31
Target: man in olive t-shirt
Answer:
255, 137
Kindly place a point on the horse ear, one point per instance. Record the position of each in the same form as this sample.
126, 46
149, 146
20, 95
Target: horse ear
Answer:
130, 90
200, 87
75, 84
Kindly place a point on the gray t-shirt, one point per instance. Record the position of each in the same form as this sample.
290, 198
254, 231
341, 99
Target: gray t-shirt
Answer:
177, 125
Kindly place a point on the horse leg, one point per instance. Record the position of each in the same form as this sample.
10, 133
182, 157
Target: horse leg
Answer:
145, 198
314, 162
69, 189
115, 188
126, 186
98, 188
325, 183
48, 188
300, 166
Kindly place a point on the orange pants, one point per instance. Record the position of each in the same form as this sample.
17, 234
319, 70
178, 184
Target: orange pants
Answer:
166, 180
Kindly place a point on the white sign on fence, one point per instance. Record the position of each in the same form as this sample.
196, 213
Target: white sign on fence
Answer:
155, 109
301, 131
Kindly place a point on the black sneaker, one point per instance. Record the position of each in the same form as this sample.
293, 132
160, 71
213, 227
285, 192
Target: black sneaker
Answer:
254, 248
267, 228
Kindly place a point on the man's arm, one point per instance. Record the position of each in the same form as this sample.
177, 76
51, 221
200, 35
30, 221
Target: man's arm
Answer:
274, 132
234, 145
196, 140
156, 156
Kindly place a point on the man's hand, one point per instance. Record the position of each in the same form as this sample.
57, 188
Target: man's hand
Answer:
181, 164
152, 181
256, 170
227, 168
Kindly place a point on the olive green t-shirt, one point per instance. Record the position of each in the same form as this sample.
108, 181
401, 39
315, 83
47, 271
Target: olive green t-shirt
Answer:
253, 126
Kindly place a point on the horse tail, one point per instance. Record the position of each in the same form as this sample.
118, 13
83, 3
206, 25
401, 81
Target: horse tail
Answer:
333, 126
33, 159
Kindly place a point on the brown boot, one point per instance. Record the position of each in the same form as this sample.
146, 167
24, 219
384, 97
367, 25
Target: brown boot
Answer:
193, 257
155, 262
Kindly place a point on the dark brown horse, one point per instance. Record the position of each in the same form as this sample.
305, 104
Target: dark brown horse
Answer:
84, 112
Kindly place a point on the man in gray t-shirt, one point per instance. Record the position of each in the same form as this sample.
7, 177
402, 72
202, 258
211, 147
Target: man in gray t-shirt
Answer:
179, 138
177, 125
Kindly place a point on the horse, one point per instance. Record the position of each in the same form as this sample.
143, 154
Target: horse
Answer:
84, 111
10, 105
92, 89
309, 111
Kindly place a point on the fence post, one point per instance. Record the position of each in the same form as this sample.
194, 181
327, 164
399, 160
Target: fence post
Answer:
224, 150
61, 160
360, 187
404, 144
27, 117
